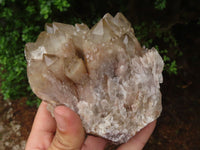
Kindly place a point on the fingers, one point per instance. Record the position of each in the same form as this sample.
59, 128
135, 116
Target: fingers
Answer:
92, 143
70, 133
43, 129
140, 139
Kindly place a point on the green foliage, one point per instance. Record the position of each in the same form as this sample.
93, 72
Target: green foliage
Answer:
152, 35
198, 21
46, 6
13, 73
160, 4
21, 22
35, 102
172, 67
61, 5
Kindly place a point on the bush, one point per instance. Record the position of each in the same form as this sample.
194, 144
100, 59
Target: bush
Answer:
154, 35
21, 22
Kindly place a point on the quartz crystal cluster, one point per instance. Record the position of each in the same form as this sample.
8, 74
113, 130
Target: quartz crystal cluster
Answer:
101, 73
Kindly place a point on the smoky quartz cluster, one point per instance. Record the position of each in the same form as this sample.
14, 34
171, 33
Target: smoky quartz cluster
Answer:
102, 73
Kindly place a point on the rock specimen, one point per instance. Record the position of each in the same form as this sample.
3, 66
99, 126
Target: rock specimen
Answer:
101, 73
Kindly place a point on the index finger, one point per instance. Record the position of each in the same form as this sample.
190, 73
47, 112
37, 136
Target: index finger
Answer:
139, 140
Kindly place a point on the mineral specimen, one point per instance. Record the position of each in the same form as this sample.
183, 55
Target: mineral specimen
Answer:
101, 73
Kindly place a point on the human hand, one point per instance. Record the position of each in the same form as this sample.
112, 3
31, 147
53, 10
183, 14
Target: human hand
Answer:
65, 132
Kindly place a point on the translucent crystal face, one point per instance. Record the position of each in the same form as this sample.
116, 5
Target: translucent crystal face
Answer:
102, 73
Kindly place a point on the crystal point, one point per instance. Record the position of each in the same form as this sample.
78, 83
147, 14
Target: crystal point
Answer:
98, 29
102, 73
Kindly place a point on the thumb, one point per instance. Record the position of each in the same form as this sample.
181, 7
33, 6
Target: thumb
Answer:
70, 133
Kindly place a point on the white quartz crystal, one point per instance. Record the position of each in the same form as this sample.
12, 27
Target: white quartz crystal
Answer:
101, 73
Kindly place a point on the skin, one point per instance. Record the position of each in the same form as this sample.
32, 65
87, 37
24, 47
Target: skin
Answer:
65, 132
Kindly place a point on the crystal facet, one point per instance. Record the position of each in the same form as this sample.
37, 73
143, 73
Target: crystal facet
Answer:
101, 73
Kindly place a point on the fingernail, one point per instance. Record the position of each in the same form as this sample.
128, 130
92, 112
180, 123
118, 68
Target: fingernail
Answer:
61, 121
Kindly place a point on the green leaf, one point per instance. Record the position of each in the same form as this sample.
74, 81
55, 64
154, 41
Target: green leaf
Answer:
160, 4
61, 5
